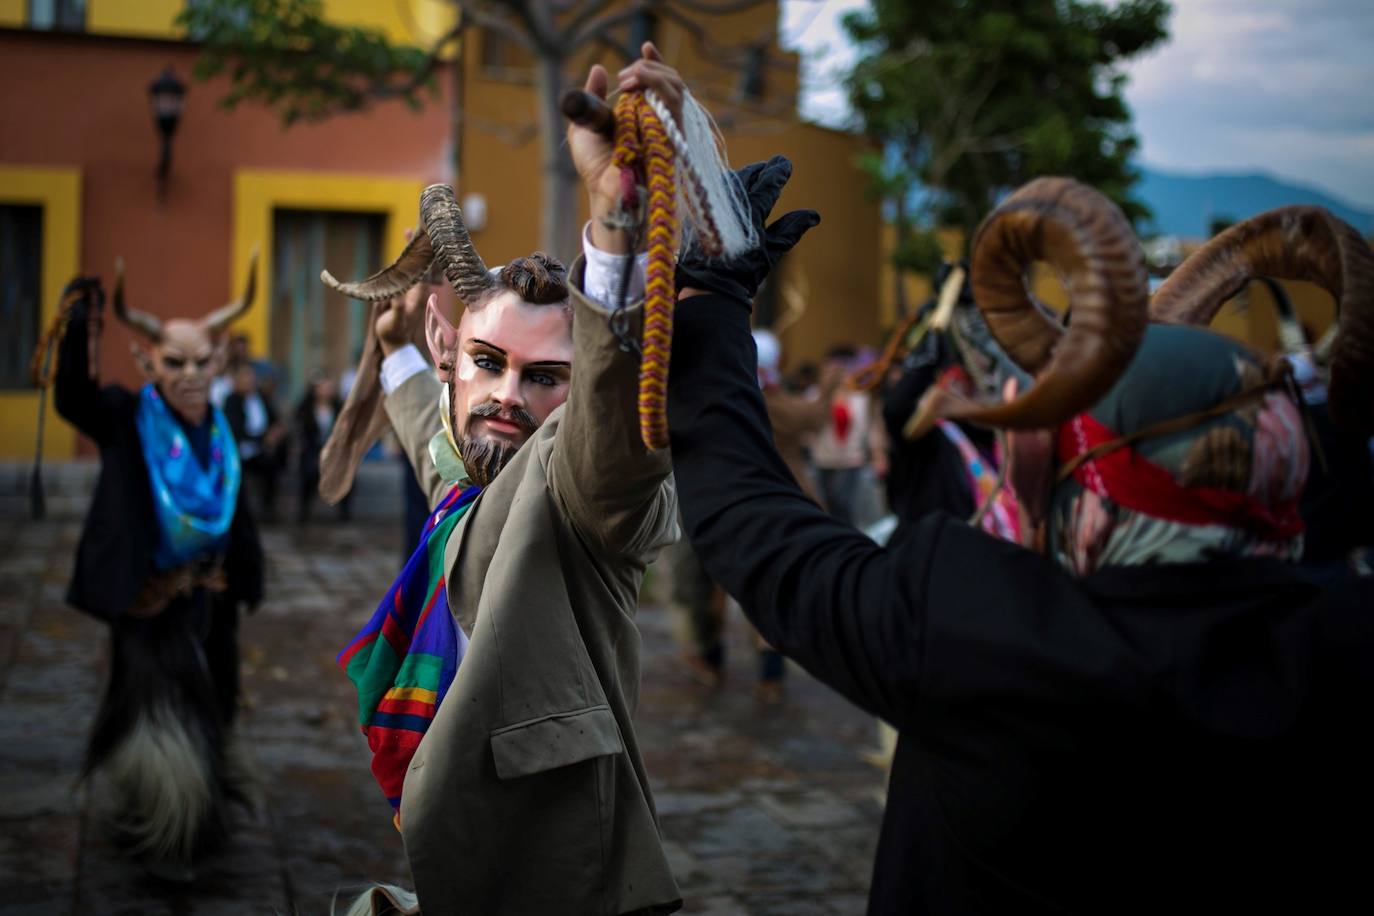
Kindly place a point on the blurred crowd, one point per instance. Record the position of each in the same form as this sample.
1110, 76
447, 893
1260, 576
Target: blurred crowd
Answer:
273, 441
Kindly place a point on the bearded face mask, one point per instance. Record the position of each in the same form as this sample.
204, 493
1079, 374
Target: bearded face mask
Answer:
184, 354
505, 366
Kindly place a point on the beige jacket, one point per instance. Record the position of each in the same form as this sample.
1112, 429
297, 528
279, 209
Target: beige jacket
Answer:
528, 793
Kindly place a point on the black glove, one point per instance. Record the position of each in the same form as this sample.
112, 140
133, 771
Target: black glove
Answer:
739, 278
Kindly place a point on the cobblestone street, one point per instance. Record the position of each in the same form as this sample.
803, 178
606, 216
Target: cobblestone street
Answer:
764, 809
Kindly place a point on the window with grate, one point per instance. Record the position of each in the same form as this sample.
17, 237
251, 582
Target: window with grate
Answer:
21, 308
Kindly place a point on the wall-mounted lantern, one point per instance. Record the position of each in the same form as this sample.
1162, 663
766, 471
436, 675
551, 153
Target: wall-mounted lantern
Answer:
167, 95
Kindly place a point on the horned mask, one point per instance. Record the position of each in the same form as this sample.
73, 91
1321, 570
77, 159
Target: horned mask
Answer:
443, 241
1085, 238
183, 355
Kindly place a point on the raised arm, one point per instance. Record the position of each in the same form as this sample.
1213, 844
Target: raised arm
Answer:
409, 386
817, 590
412, 406
617, 493
79, 398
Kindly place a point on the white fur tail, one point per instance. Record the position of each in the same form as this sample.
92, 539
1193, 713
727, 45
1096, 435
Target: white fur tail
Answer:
383, 900
164, 785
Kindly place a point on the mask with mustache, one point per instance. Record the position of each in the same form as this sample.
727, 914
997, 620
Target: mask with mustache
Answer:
484, 457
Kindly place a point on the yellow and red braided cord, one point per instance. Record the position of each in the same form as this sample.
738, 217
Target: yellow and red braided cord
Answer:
642, 146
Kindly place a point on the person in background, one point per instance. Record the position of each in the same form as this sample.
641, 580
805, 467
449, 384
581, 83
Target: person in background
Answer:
697, 603
1144, 708
169, 555
236, 355
315, 415
1338, 501
799, 415
259, 435
840, 449
803, 379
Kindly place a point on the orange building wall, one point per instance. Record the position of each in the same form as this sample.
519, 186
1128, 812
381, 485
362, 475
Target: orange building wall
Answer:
82, 102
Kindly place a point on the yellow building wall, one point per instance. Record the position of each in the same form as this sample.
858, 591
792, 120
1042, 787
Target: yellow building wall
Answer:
402, 21
134, 18
14, 14
257, 193
58, 192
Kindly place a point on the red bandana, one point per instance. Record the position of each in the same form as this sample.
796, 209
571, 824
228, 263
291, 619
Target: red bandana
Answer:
1128, 479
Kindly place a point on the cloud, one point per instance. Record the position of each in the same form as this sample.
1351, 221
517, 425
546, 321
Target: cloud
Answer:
812, 28
1280, 86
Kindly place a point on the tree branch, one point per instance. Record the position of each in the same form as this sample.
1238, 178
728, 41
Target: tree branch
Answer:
578, 35
589, 12
419, 77
480, 16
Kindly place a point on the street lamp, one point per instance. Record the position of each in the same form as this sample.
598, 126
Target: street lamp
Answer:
168, 96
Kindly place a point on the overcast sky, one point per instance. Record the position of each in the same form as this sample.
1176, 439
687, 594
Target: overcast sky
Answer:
1279, 86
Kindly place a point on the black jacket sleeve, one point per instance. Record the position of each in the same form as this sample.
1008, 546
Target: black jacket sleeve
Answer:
818, 590
79, 398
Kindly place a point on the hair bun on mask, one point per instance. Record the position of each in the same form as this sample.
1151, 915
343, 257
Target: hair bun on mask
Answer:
539, 278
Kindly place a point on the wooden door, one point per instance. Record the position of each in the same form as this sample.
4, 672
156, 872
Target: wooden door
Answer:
312, 326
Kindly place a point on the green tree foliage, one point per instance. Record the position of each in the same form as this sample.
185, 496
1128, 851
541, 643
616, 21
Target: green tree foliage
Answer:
970, 98
283, 54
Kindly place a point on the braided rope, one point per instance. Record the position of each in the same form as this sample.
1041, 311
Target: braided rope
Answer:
643, 148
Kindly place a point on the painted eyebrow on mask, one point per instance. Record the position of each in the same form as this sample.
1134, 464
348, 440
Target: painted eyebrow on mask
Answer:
490, 346
545, 363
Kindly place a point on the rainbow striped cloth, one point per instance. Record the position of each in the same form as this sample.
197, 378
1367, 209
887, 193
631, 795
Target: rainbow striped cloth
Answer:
404, 660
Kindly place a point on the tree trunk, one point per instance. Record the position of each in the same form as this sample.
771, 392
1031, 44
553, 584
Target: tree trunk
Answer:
901, 233
457, 85
558, 223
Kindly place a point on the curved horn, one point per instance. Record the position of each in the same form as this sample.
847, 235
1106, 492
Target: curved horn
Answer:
1290, 243
150, 326
1089, 242
404, 272
221, 317
443, 222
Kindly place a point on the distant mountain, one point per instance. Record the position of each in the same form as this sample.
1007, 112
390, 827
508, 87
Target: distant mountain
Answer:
1183, 205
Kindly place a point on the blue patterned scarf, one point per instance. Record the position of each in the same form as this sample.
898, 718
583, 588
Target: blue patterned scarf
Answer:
194, 503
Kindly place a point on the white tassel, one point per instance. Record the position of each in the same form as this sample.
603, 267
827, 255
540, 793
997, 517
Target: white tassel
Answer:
700, 152
163, 782
383, 900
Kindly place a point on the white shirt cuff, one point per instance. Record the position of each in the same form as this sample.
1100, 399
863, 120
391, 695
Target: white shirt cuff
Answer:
602, 278
400, 366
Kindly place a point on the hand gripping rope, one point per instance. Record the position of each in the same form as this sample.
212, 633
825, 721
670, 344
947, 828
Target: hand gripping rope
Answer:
648, 150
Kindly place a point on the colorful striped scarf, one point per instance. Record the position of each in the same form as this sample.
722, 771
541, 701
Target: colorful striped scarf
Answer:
404, 660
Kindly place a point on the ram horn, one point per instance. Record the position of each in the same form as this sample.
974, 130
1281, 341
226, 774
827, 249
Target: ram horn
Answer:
443, 222
405, 272
1290, 243
1088, 241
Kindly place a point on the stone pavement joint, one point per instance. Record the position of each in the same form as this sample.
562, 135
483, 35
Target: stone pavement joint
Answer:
763, 809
